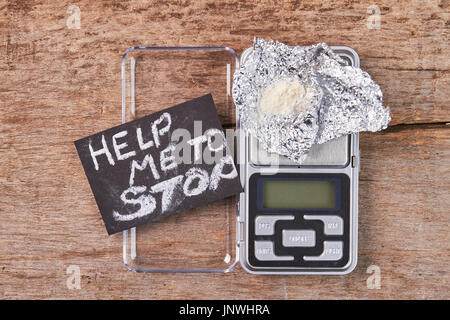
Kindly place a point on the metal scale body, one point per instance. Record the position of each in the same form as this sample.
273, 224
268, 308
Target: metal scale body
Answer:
299, 240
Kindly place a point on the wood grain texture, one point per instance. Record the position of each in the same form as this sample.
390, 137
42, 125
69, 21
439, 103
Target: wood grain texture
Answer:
60, 84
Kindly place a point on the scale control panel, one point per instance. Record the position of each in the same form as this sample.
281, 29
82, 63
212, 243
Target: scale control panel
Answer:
301, 219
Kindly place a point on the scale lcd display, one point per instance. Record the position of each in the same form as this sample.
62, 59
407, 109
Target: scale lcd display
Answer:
294, 194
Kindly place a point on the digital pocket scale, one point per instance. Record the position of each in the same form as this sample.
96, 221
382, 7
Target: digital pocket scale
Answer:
299, 219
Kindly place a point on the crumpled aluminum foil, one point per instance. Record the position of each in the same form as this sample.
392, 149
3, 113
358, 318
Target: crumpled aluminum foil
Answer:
342, 99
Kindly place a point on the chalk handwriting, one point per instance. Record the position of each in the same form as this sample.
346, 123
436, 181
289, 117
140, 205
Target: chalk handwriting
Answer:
118, 147
146, 203
103, 150
193, 183
159, 127
148, 161
161, 164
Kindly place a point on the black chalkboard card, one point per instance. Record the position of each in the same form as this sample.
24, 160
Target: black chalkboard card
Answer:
161, 164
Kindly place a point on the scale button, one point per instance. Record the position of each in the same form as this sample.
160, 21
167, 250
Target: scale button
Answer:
264, 225
264, 252
332, 251
333, 225
299, 238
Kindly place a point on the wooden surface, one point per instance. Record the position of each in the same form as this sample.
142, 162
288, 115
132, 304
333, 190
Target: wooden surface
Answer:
60, 84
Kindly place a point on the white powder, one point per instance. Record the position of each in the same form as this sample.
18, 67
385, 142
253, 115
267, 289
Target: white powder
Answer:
285, 96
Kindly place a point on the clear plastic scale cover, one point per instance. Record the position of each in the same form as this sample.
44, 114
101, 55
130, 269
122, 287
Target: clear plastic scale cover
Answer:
155, 78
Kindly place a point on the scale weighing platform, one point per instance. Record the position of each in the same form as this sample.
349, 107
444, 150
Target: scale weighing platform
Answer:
300, 219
